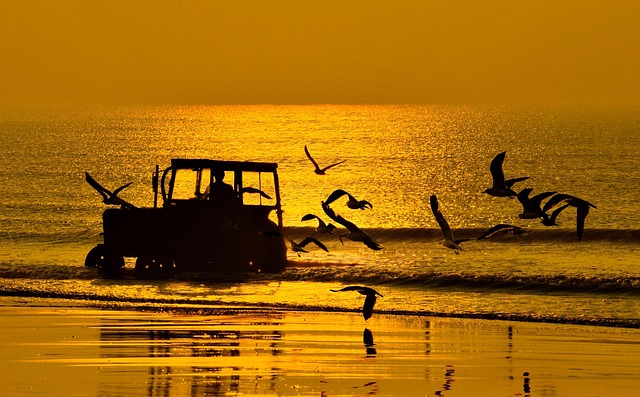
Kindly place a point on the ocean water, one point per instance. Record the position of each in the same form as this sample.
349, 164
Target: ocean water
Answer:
396, 157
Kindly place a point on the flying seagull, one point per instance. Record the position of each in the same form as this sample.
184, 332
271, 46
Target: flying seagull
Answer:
318, 170
501, 187
353, 203
582, 209
298, 247
502, 228
108, 197
369, 301
531, 207
322, 226
449, 241
353, 232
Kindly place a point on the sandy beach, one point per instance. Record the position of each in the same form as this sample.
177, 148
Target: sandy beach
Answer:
56, 348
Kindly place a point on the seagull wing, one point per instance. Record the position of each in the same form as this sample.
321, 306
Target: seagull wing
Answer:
555, 200
442, 222
498, 229
336, 195
523, 198
350, 288
317, 242
339, 219
311, 158
496, 170
367, 309
249, 189
509, 182
581, 215
332, 165
94, 184
556, 212
118, 190
537, 199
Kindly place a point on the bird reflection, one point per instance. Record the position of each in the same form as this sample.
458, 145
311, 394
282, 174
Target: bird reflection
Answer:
367, 340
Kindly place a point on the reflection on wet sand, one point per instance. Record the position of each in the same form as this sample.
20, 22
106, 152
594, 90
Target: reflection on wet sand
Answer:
264, 352
201, 353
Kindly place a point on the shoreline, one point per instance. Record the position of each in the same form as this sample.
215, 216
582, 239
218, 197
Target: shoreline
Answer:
52, 347
208, 307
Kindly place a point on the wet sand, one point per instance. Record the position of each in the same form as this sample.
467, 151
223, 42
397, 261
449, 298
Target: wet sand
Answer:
54, 348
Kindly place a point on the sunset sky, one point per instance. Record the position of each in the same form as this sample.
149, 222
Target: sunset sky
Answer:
299, 52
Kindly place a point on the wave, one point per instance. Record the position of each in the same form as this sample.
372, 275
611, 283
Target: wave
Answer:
206, 307
341, 273
384, 235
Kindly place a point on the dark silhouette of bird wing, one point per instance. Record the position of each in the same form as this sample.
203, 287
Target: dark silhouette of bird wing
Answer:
336, 194
442, 222
317, 242
581, 215
496, 170
509, 182
523, 198
339, 218
309, 217
94, 184
319, 170
367, 308
311, 158
249, 189
332, 165
109, 197
555, 213
501, 228
537, 199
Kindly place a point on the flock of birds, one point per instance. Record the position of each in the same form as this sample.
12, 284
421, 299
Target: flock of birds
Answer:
532, 208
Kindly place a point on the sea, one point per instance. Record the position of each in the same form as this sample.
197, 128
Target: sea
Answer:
396, 158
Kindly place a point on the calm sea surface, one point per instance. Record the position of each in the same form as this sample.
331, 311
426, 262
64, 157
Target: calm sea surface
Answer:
397, 156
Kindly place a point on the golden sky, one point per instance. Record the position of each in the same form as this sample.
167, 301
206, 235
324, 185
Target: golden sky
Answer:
325, 51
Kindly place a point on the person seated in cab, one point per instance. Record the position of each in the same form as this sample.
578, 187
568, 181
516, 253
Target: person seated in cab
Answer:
219, 191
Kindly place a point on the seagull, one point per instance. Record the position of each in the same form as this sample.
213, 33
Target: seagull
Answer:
322, 226
501, 187
369, 301
449, 241
502, 229
354, 233
298, 247
582, 207
318, 170
531, 206
108, 197
353, 203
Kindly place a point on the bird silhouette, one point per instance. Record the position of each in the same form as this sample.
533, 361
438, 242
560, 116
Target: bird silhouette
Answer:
501, 187
449, 240
502, 228
109, 197
582, 209
318, 170
354, 233
369, 301
322, 226
531, 207
295, 246
352, 203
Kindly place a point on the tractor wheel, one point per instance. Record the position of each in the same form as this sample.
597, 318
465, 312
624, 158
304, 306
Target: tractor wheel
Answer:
95, 257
